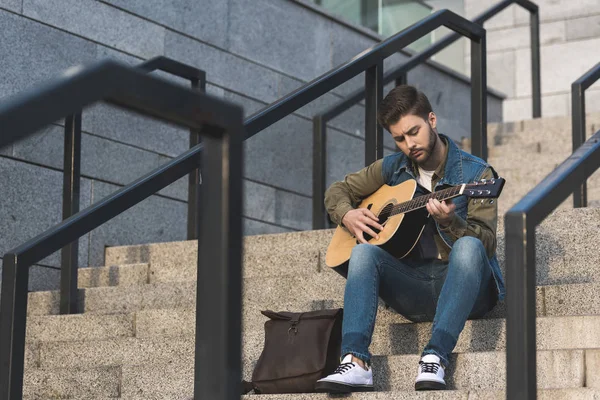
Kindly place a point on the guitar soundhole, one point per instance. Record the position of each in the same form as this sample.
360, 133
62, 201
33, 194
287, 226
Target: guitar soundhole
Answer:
383, 216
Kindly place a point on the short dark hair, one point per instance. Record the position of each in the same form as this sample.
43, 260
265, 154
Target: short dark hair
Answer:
400, 101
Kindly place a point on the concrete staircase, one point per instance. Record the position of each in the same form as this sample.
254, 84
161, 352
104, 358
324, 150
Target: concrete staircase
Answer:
135, 339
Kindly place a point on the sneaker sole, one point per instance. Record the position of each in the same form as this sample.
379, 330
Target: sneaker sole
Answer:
429, 385
332, 387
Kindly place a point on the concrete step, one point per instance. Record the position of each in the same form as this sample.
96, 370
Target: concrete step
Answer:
167, 368
280, 293
254, 246
71, 383
566, 251
113, 275
393, 335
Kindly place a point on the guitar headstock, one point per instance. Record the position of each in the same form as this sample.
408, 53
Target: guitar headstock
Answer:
490, 188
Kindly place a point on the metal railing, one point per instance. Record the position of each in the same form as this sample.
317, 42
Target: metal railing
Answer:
399, 76
218, 306
72, 178
520, 224
578, 122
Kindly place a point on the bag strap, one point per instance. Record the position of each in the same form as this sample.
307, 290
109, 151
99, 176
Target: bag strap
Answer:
247, 387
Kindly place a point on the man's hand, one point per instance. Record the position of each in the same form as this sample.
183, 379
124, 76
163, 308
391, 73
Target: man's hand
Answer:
359, 221
442, 212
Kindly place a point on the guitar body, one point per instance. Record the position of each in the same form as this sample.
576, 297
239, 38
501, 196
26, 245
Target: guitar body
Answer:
397, 243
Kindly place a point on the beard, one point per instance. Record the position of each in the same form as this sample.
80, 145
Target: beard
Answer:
428, 150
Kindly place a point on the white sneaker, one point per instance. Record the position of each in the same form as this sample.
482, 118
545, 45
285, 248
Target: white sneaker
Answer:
431, 374
348, 377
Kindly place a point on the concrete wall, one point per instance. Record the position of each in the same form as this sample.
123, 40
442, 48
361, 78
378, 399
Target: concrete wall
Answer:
570, 39
254, 53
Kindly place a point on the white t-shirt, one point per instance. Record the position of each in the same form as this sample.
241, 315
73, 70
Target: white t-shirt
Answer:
424, 178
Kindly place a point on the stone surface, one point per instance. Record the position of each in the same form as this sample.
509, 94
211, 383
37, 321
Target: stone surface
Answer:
266, 203
501, 75
100, 158
67, 383
189, 16
223, 68
572, 299
100, 22
252, 227
583, 28
34, 205
124, 126
13, 5
36, 46
114, 275
592, 363
569, 61
169, 222
64, 328
560, 9
262, 33
473, 8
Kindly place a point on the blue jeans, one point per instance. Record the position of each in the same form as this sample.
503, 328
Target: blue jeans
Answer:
446, 292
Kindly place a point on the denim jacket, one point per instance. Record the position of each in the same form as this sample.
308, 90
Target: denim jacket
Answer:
460, 167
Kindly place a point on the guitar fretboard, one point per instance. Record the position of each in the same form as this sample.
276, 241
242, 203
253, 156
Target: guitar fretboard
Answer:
421, 201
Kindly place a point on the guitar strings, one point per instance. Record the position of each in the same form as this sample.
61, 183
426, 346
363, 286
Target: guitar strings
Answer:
420, 201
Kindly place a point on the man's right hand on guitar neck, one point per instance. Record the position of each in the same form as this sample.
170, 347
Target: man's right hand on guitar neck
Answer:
361, 220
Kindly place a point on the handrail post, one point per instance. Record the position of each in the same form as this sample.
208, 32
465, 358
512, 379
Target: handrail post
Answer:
319, 171
373, 131
578, 126
71, 191
13, 319
536, 86
219, 283
195, 177
521, 365
479, 98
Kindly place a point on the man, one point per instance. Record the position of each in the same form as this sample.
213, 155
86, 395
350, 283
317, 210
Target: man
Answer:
451, 275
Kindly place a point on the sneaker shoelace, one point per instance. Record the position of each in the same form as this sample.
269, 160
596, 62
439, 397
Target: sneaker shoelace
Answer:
429, 367
342, 368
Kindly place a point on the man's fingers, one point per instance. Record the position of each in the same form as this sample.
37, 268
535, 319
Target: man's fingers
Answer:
359, 236
366, 229
368, 221
370, 214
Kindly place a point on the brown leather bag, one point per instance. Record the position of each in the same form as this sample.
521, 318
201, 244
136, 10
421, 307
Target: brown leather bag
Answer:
299, 349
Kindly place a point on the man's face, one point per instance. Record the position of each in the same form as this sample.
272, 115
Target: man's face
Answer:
415, 136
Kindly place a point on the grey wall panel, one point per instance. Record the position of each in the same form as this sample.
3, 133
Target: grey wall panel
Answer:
100, 158
206, 20
278, 207
100, 22
32, 203
345, 154
281, 34
128, 127
33, 53
224, 69
40, 278
155, 219
13, 5
281, 155
251, 227
350, 121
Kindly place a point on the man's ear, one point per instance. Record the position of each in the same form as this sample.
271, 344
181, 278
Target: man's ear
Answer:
432, 120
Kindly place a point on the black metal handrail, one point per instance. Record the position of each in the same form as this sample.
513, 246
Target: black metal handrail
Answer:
520, 224
72, 178
398, 74
219, 287
578, 89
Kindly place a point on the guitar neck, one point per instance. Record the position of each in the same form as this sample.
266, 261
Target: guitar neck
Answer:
421, 201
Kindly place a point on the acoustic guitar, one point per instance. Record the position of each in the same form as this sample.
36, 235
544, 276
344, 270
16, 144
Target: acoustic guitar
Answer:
403, 217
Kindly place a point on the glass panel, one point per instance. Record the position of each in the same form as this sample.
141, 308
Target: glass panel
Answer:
397, 15
347, 9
